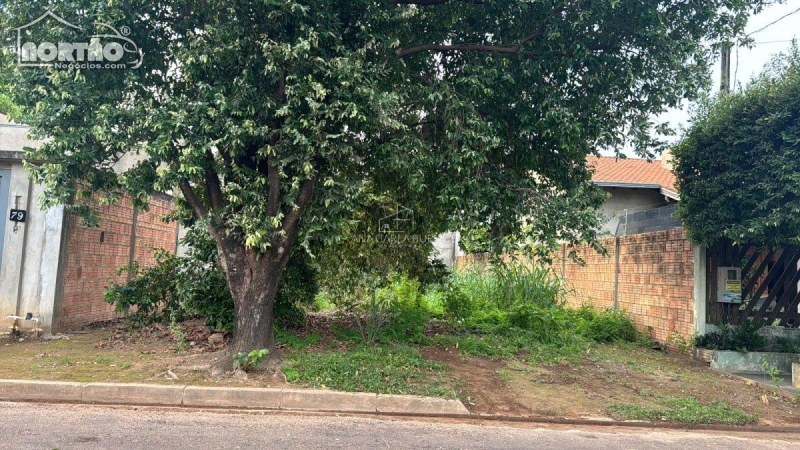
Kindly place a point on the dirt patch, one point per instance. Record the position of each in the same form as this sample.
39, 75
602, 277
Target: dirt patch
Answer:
479, 382
609, 375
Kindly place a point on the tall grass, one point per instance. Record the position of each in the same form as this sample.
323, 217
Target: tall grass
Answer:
509, 285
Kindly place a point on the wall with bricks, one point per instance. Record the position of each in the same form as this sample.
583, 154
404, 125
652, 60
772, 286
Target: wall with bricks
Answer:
655, 280
93, 256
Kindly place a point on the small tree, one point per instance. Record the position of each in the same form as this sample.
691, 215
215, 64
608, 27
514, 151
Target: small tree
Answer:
270, 117
738, 167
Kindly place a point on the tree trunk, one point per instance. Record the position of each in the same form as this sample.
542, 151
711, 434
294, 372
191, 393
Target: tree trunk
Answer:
253, 282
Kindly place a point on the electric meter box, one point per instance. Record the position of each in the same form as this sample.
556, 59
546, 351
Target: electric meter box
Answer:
729, 285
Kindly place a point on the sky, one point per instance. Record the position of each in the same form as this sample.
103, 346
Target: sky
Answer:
746, 63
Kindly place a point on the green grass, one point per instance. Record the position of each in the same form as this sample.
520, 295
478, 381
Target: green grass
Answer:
395, 369
294, 342
685, 410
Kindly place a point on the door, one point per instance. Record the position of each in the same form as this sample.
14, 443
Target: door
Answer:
5, 182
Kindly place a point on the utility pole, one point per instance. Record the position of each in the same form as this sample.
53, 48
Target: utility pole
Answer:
725, 76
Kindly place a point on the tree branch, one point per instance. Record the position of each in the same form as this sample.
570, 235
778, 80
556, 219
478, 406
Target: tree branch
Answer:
517, 48
192, 199
213, 186
433, 2
463, 48
274, 188
290, 221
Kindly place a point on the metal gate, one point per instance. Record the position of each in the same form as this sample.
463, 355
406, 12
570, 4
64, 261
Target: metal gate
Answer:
767, 283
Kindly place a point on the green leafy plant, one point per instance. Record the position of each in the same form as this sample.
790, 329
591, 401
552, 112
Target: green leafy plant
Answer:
179, 335
743, 338
247, 361
771, 370
734, 162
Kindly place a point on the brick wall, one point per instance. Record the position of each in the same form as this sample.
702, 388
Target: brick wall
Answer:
656, 280
93, 256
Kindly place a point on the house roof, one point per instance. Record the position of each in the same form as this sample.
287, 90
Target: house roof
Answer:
633, 173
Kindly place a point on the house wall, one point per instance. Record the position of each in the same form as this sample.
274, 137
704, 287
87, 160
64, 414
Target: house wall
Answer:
29, 267
654, 283
445, 247
634, 200
93, 256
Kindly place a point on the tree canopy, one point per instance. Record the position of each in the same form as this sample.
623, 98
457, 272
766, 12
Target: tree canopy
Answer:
272, 118
738, 167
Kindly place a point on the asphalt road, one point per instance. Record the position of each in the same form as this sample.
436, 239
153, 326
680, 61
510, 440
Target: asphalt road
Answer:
39, 426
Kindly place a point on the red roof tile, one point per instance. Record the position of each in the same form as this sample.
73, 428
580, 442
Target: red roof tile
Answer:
631, 171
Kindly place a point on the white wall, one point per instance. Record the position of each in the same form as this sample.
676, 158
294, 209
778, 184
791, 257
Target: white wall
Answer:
29, 268
634, 200
445, 247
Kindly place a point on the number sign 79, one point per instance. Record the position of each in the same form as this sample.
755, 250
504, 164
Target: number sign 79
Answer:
18, 215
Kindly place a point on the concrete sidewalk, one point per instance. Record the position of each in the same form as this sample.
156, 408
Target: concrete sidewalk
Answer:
222, 397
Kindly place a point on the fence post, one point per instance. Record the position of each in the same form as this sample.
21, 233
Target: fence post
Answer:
700, 289
616, 271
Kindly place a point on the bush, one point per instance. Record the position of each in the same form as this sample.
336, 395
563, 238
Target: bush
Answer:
608, 325
149, 295
743, 338
177, 287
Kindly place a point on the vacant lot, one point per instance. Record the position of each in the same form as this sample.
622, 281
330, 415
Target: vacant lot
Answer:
622, 380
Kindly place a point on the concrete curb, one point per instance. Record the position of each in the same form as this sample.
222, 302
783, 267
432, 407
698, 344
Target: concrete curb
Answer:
223, 397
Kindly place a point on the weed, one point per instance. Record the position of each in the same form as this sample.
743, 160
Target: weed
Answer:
771, 370
179, 335
685, 410
125, 365
66, 362
294, 342
102, 360
505, 375
322, 303
677, 341
249, 360
395, 369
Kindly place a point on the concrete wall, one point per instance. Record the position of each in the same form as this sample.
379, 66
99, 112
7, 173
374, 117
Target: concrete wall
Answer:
56, 269
634, 200
446, 248
29, 270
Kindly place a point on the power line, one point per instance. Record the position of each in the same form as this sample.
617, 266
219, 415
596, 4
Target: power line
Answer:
774, 22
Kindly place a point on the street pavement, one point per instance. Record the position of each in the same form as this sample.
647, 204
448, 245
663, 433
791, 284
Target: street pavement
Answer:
42, 426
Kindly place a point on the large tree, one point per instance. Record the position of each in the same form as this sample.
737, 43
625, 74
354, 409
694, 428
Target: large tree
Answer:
738, 166
271, 117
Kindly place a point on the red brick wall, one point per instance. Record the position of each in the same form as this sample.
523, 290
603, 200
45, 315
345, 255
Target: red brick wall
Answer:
656, 281
93, 256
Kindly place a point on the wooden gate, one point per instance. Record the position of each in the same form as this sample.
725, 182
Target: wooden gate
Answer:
769, 285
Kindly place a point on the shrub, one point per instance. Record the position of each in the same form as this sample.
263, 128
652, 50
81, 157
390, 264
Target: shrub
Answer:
177, 287
608, 325
743, 338
149, 295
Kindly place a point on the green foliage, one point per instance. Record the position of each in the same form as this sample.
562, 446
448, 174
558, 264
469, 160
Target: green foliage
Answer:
737, 166
294, 342
742, 338
389, 369
176, 288
685, 410
179, 335
149, 294
280, 124
608, 325
249, 360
